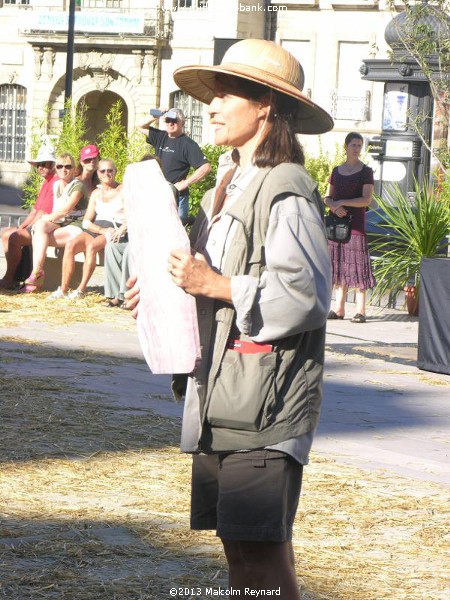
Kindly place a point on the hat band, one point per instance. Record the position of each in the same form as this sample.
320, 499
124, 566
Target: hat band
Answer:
263, 76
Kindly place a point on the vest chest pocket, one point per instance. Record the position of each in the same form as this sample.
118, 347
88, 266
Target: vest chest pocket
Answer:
243, 395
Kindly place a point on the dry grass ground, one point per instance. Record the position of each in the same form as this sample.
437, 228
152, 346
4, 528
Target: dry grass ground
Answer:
16, 309
94, 503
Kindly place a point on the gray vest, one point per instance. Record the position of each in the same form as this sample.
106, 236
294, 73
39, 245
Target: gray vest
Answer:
254, 400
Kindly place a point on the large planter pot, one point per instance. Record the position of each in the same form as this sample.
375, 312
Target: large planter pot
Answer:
412, 300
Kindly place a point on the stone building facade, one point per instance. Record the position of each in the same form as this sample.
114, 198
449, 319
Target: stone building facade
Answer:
128, 49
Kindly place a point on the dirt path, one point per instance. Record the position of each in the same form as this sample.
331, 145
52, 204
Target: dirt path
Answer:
94, 494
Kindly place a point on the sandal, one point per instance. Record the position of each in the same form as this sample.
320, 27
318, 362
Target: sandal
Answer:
358, 318
332, 315
36, 279
30, 288
111, 303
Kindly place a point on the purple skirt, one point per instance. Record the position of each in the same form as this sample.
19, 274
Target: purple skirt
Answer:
350, 263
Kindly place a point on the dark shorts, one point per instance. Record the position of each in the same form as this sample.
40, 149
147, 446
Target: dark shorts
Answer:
100, 223
246, 496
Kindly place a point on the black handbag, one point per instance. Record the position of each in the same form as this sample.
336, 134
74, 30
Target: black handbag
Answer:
338, 229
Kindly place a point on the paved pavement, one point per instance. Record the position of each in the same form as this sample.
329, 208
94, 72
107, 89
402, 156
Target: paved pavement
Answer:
379, 411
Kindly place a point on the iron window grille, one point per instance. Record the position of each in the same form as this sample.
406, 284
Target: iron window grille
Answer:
13, 117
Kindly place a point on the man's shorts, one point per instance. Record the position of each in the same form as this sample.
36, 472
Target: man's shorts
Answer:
246, 496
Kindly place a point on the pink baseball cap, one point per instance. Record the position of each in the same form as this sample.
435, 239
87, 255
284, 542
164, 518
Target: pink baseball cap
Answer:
90, 151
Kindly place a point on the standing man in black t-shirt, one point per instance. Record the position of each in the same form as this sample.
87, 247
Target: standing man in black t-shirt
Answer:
178, 153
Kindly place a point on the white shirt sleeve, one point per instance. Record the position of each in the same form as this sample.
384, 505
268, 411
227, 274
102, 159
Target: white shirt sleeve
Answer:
293, 294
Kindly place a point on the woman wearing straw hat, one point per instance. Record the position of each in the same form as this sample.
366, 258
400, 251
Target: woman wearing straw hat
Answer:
261, 274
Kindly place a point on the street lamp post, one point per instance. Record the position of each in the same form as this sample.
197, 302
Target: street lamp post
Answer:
69, 59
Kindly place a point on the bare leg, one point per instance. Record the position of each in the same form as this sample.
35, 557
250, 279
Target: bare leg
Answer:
361, 301
42, 239
71, 248
262, 566
90, 261
5, 237
13, 241
341, 295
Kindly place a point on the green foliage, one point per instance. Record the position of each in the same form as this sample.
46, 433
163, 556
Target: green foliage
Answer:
420, 231
443, 155
72, 136
444, 191
115, 143
31, 189
137, 147
198, 190
319, 167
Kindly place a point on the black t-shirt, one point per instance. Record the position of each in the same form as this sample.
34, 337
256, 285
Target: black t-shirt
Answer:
177, 154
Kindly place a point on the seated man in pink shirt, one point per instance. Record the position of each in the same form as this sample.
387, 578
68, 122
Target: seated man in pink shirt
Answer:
15, 238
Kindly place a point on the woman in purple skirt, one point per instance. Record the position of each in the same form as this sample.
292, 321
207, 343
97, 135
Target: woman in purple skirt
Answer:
350, 192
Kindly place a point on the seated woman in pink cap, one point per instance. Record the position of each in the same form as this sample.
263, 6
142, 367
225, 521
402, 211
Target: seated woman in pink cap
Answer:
260, 270
87, 169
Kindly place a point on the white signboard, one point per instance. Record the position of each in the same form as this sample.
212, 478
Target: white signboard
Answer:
100, 22
399, 148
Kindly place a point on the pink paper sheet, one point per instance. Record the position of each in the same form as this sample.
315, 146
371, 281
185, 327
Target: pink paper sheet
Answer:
167, 316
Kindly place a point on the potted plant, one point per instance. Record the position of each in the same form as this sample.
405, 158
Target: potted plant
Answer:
416, 228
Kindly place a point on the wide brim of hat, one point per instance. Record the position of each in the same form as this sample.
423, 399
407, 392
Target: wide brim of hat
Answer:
45, 158
199, 81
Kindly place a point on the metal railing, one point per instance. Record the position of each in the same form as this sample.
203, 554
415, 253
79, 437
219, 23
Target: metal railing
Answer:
11, 220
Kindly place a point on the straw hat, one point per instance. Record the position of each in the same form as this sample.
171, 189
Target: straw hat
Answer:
265, 63
45, 154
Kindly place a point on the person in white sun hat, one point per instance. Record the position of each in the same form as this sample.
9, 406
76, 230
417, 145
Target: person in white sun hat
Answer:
261, 273
16, 238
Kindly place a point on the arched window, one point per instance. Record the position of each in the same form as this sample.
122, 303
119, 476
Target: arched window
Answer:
192, 111
13, 119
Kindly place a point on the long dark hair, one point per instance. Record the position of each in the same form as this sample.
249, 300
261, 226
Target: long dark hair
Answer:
279, 144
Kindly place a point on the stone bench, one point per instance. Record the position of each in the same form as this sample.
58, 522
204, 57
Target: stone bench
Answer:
53, 268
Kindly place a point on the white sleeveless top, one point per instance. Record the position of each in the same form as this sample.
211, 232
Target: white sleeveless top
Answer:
112, 211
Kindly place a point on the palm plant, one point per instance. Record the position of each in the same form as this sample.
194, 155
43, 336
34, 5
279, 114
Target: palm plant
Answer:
418, 229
